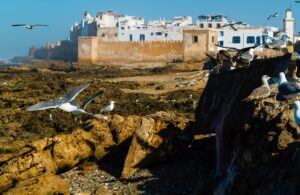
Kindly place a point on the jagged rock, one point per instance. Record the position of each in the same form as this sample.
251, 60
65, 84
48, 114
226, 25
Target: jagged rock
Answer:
257, 146
69, 150
112, 133
156, 140
47, 184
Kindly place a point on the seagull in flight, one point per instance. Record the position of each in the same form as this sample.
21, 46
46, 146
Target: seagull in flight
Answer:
67, 103
273, 16
232, 25
28, 26
287, 89
245, 53
223, 62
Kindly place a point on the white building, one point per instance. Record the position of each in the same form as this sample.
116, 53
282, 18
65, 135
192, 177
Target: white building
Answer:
210, 21
244, 37
130, 28
289, 24
111, 27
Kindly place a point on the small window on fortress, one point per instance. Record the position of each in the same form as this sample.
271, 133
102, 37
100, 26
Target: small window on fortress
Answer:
218, 25
213, 39
201, 25
166, 34
195, 39
152, 34
116, 34
210, 25
159, 33
103, 35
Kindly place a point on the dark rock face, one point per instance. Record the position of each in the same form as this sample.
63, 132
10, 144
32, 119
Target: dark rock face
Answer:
257, 146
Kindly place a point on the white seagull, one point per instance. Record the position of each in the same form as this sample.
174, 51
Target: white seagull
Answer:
278, 43
108, 108
67, 103
296, 106
28, 26
287, 89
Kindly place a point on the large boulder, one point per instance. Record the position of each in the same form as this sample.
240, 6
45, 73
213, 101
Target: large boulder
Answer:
157, 139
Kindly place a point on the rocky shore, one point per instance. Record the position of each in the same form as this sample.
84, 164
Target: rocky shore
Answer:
167, 151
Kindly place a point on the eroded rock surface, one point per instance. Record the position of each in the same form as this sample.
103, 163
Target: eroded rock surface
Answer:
50, 156
155, 141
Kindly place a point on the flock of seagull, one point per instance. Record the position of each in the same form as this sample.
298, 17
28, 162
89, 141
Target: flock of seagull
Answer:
224, 61
286, 90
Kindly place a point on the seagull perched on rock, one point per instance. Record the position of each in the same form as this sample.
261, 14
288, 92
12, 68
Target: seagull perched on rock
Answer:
277, 43
296, 106
67, 103
261, 92
287, 89
28, 26
108, 108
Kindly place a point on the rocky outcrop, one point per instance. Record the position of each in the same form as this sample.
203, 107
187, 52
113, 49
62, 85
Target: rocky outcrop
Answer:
47, 184
155, 141
256, 145
50, 156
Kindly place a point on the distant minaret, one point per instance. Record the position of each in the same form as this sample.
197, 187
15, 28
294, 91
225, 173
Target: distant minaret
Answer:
289, 24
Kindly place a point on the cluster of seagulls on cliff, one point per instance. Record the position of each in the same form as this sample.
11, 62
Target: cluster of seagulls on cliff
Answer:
68, 103
286, 90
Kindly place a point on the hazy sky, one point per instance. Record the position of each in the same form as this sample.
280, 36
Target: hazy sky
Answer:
61, 14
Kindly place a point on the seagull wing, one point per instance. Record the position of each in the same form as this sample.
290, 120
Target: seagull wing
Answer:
226, 47
86, 102
239, 22
106, 109
19, 25
72, 94
211, 58
46, 105
39, 25
258, 93
244, 50
225, 25
288, 88
225, 54
270, 17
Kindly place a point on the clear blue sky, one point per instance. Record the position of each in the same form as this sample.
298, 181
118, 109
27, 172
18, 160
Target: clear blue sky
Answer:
61, 14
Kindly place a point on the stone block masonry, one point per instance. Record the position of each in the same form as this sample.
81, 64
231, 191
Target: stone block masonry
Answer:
91, 50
